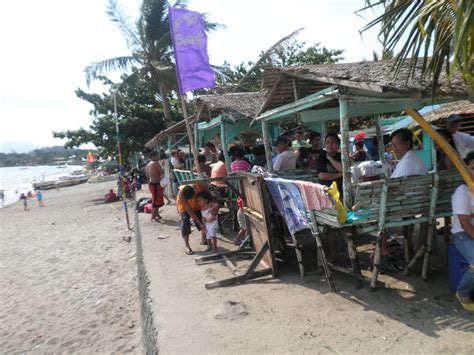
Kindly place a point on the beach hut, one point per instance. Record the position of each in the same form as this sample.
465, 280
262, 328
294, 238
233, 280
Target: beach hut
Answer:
344, 93
227, 116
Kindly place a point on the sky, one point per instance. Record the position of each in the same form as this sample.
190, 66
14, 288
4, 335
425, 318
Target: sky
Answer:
47, 44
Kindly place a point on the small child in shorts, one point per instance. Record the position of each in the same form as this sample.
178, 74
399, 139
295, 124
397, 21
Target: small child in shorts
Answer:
209, 210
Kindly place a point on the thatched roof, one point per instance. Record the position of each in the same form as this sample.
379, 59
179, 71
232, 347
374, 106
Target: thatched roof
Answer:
236, 106
179, 127
463, 108
372, 77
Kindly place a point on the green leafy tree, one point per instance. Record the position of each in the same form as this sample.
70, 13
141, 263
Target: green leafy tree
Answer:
150, 43
286, 52
441, 33
140, 117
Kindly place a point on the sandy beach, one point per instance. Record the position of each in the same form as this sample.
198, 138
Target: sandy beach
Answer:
290, 314
69, 284
68, 278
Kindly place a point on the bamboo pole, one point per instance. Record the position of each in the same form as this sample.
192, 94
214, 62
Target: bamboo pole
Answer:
266, 143
380, 146
224, 145
190, 135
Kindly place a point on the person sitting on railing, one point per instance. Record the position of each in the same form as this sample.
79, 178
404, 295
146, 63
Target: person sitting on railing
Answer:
286, 157
463, 235
205, 168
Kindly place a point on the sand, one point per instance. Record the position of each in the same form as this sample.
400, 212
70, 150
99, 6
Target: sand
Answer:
69, 284
68, 281
290, 314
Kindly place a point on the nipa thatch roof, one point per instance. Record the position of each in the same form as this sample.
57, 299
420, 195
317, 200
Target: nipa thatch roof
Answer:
179, 127
236, 106
463, 108
372, 77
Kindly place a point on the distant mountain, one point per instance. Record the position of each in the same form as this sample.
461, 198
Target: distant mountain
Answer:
17, 147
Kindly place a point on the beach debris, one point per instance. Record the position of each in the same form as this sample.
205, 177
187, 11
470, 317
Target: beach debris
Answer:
230, 310
164, 237
127, 238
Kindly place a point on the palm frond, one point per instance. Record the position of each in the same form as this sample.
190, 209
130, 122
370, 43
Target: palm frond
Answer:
431, 32
123, 22
94, 70
270, 53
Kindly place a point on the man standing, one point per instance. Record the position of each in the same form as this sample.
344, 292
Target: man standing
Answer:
286, 158
154, 173
464, 142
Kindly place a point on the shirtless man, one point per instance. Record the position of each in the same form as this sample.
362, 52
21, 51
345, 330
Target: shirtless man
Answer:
154, 173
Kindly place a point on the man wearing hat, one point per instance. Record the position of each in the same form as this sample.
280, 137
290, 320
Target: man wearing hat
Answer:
286, 158
464, 142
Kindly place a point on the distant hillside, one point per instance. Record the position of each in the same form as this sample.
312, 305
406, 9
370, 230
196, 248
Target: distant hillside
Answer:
17, 147
43, 156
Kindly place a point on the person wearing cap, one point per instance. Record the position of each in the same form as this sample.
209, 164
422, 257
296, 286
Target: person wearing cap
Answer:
464, 142
286, 158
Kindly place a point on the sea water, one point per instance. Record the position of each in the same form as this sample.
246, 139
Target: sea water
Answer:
19, 179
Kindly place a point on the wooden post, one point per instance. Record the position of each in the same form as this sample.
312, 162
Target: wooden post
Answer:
190, 135
224, 144
346, 164
381, 146
266, 143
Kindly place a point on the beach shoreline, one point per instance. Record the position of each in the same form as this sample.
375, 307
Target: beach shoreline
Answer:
68, 275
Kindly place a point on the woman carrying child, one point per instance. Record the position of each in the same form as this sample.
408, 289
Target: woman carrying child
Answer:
209, 210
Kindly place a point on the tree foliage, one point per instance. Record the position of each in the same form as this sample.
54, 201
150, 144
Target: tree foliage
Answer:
247, 76
140, 117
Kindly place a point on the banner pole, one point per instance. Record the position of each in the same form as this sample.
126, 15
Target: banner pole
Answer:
190, 136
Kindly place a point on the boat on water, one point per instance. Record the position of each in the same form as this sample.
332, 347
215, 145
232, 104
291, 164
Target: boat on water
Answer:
61, 182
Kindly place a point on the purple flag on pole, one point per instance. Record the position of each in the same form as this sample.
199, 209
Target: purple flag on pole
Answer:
190, 48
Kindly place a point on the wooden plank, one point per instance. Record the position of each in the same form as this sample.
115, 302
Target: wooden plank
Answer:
230, 265
238, 279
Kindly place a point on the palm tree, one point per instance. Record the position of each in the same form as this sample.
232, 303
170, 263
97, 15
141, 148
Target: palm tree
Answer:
440, 32
150, 42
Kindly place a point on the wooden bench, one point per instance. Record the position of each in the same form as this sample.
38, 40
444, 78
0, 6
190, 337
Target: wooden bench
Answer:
383, 204
183, 175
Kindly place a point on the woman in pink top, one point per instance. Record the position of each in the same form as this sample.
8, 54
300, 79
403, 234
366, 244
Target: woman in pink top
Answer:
219, 170
239, 164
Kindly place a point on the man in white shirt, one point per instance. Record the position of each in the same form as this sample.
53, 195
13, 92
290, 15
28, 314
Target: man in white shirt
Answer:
464, 142
286, 157
463, 235
401, 142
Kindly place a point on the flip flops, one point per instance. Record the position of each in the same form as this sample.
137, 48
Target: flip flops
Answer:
466, 306
188, 251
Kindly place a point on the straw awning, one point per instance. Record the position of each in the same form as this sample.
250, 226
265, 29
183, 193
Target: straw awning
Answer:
179, 127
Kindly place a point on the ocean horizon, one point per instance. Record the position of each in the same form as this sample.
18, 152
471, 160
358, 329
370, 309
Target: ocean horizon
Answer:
19, 179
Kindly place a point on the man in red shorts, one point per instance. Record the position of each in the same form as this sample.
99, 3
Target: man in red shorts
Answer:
155, 173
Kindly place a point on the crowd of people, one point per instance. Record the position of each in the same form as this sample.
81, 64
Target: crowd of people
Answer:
308, 150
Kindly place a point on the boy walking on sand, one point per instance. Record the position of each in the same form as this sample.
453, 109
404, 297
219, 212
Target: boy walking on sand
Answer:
188, 207
209, 210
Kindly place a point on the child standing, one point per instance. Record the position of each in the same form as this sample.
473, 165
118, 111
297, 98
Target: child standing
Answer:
209, 210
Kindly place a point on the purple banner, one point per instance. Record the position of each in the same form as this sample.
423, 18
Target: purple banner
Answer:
190, 49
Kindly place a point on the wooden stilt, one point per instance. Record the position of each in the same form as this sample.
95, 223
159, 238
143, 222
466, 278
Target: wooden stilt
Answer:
348, 236
377, 259
299, 256
321, 255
